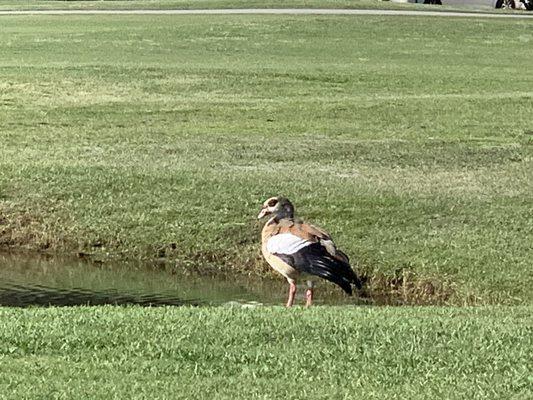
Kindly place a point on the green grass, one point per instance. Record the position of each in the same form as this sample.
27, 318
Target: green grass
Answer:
206, 4
272, 353
409, 139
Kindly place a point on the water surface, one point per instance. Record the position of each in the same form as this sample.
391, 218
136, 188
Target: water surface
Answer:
44, 281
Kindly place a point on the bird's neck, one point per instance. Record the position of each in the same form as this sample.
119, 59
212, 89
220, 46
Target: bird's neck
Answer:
282, 214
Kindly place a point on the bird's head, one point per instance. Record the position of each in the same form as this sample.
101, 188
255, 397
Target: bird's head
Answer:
279, 207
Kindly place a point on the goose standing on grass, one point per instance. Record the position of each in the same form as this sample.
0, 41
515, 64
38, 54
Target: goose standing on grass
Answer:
301, 251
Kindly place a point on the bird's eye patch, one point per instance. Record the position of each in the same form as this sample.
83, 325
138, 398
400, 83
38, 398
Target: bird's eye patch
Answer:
272, 203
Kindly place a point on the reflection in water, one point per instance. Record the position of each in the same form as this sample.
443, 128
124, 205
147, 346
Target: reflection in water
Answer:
41, 281
27, 281
16, 295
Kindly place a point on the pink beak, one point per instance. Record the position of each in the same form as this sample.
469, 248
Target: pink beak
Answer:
263, 212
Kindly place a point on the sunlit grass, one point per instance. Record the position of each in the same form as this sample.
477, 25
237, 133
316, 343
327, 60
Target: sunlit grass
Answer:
334, 352
210, 4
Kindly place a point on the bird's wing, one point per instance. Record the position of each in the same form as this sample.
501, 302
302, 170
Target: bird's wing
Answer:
314, 234
306, 252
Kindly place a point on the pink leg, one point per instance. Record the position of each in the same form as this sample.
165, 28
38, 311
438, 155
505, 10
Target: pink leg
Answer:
292, 293
309, 297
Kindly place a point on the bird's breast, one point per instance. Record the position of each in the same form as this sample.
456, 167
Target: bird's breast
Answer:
278, 265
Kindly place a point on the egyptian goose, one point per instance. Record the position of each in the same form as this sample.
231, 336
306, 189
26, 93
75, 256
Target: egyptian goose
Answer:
301, 251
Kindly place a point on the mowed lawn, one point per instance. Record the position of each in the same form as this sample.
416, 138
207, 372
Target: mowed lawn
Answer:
222, 4
269, 353
408, 138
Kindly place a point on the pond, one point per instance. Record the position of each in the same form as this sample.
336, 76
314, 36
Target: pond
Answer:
45, 281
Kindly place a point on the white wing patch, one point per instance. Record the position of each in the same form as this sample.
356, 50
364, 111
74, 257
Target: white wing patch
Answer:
286, 243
